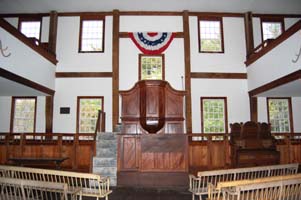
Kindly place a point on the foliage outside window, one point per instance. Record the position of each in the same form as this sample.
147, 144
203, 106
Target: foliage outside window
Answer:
30, 28
24, 112
91, 34
279, 115
271, 29
214, 115
211, 35
151, 67
88, 108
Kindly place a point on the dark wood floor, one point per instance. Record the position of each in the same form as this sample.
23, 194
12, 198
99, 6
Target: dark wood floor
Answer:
147, 194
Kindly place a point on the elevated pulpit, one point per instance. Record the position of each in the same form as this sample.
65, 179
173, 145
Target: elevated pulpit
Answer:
152, 146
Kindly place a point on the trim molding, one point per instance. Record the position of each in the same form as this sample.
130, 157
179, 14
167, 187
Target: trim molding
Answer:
292, 30
281, 81
83, 74
12, 30
218, 75
16, 78
126, 35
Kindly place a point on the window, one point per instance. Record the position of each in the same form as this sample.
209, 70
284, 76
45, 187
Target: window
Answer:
271, 28
23, 114
279, 114
30, 27
91, 34
151, 67
87, 113
214, 115
211, 35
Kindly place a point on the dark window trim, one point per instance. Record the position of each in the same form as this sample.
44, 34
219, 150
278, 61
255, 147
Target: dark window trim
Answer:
272, 20
91, 18
226, 111
290, 110
77, 107
157, 55
12, 114
31, 19
220, 19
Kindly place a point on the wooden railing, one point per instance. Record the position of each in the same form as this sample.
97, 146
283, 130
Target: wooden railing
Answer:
79, 148
38, 47
265, 47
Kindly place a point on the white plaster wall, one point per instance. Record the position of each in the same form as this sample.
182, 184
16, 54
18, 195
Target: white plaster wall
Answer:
256, 31
5, 113
234, 90
13, 21
276, 63
288, 22
129, 53
232, 60
296, 105
45, 29
26, 62
5, 110
66, 94
68, 45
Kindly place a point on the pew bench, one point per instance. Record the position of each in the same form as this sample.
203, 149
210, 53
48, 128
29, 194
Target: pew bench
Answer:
198, 186
90, 185
14, 189
269, 188
38, 161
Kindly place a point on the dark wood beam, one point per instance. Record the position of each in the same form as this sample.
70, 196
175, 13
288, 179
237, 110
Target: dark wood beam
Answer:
253, 109
218, 75
52, 32
187, 71
249, 33
49, 114
83, 74
115, 63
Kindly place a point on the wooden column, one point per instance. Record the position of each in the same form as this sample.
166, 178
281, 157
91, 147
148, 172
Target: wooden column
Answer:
115, 63
187, 71
253, 109
249, 33
52, 31
49, 114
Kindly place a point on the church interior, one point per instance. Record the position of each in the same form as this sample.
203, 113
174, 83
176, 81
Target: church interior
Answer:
137, 100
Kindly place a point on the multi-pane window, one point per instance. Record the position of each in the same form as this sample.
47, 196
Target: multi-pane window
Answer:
279, 114
214, 115
151, 67
31, 28
23, 114
211, 35
271, 29
87, 113
91, 34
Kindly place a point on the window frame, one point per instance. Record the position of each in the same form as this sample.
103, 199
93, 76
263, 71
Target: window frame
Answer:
271, 20
78, 107
208, 18
225, 112
91, 18
12, 115
290, 114
156, 55
31, 19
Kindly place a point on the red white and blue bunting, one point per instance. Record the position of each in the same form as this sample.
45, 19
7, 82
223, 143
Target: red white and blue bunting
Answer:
152, 42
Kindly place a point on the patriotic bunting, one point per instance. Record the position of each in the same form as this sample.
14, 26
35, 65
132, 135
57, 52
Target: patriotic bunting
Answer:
152, 42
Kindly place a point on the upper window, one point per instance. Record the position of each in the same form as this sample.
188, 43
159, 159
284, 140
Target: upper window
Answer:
271, 28
91, 34
23, 114
87, 113
31, 28
151, 67
214, 114
211, 35
279, 114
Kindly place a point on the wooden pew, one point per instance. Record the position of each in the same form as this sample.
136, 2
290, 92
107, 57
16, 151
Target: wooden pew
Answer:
199, 185
91, 185
14, 189
270, 188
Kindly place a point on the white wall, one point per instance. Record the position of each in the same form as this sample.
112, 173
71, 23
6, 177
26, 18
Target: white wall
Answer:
67, 48
24, 61
234, 90
296, 105
5, 114
66, 94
